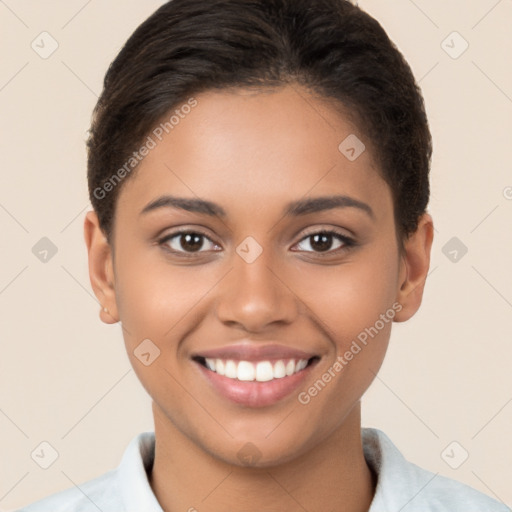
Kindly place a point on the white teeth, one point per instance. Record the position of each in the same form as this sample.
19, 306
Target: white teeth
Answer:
230, 369
263, 371
246, 371
219, 366
301, 365
290, 367
279, 370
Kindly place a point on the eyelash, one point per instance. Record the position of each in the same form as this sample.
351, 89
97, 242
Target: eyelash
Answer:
348, 242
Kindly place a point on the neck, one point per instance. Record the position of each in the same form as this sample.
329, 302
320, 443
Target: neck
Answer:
332, 476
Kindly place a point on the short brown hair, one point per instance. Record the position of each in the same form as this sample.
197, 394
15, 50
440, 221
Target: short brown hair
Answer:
331, 47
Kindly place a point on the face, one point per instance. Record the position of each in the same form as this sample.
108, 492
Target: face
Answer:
229, 258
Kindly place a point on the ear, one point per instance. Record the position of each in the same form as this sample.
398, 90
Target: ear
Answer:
414, 266
101, 269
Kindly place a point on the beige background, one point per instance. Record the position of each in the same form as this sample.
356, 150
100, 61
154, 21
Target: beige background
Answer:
64, 376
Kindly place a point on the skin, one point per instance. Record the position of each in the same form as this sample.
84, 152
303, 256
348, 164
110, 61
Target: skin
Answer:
253, 152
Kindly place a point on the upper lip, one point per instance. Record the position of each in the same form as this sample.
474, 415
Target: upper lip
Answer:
254, 352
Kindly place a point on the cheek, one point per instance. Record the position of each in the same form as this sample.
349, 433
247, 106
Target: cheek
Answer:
354, 305
153, 296
350, 298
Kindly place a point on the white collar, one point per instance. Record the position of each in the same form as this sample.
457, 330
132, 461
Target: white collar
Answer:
137, 462
400, 483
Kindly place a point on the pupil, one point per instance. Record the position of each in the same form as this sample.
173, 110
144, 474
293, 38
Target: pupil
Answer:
322, 242
191, 241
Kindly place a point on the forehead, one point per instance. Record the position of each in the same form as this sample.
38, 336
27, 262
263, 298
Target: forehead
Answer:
253, 147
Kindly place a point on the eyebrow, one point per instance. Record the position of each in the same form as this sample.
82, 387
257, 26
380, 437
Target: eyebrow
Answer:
295, 208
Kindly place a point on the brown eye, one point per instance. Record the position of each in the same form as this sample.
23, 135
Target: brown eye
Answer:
325, 241
187, 242
190, 241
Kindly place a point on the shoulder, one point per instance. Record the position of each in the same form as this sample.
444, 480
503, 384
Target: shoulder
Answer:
91, 496
442, 494
125, 488
405, 486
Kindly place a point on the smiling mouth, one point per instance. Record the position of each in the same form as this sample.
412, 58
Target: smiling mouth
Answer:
259, 371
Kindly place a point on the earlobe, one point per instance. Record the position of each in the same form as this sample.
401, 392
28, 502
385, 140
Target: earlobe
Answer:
414, 268
101, 273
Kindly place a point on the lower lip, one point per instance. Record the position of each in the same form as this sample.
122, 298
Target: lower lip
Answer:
253, 393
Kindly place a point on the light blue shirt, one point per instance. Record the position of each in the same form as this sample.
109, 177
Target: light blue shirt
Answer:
401, 485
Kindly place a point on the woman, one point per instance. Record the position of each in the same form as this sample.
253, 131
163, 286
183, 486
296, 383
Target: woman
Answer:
259, 176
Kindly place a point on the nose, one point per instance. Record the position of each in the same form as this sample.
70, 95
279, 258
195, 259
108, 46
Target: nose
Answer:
254, 296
